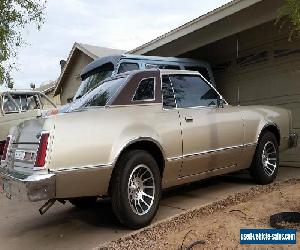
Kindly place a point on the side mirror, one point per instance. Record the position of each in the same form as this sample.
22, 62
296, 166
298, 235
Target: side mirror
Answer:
221, 102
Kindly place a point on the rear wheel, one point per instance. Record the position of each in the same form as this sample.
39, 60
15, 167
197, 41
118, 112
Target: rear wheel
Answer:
265, 163
136, 189
83, 202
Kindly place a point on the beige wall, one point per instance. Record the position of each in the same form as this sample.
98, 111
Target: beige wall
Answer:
55, 99
72, 79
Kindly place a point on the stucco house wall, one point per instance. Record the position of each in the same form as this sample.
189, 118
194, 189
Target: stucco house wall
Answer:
72, 78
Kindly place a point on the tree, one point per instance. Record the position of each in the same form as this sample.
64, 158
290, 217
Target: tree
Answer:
289, 14
15, 15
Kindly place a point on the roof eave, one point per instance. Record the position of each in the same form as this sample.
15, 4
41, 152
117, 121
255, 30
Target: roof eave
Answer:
196, 24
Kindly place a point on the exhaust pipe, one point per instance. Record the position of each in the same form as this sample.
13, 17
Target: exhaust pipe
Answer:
47, 206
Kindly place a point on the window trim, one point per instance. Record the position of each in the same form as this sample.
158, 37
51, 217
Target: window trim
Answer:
154, 89
200, 66
162, 96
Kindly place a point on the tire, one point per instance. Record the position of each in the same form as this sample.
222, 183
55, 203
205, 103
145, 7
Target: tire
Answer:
135, 170
83, 202
264, 167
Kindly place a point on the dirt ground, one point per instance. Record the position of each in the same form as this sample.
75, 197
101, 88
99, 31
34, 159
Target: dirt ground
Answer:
218, 224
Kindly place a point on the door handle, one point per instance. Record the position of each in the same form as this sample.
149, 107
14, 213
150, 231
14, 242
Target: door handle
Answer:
189, 119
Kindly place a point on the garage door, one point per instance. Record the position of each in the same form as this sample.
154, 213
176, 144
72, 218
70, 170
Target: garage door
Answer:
268, 74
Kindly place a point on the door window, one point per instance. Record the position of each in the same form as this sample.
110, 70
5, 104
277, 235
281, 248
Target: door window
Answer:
193, 91
202, 70
167, 93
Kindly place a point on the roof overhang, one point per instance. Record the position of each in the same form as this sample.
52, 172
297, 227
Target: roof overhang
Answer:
229, 19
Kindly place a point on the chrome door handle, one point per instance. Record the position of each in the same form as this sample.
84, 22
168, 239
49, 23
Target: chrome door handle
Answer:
189, 119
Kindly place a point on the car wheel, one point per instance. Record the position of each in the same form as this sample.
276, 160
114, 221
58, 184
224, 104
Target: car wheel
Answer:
136, 189
265, 163
83, 202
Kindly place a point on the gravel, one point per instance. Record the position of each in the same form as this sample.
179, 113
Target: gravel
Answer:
147, 238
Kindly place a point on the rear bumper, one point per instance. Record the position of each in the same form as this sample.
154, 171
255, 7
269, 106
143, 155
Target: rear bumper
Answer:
30, 188
293, 140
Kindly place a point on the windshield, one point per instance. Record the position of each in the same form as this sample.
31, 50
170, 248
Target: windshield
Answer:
92, 82
100, 96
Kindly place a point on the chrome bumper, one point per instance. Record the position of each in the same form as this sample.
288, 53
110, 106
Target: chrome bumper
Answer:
293, 140
33, 187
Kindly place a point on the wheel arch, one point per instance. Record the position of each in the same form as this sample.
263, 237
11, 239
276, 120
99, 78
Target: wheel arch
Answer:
143, 143
270, 127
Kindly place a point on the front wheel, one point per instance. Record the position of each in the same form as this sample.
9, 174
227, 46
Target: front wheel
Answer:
264, 168
136, 189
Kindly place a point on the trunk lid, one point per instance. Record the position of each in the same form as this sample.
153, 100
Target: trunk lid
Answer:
24, 146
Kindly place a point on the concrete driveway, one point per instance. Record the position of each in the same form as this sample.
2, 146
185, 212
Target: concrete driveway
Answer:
65, 227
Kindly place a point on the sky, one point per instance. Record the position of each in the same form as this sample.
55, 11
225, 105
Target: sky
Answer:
124, 24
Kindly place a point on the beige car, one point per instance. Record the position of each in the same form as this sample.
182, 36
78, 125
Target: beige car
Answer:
17, 106
136, 134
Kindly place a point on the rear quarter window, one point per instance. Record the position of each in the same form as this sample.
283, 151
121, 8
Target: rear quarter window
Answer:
145, 90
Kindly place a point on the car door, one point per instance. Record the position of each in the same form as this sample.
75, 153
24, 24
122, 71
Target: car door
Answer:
170, 129
212, 136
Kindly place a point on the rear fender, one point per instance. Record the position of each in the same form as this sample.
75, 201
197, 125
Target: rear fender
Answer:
128, 137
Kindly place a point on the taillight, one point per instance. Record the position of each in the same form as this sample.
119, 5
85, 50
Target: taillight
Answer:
5, 148
2, 144
42, 151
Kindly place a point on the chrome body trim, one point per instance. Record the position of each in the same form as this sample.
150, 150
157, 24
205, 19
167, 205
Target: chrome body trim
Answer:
176, 158
81, 168
33, 188
208, 171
